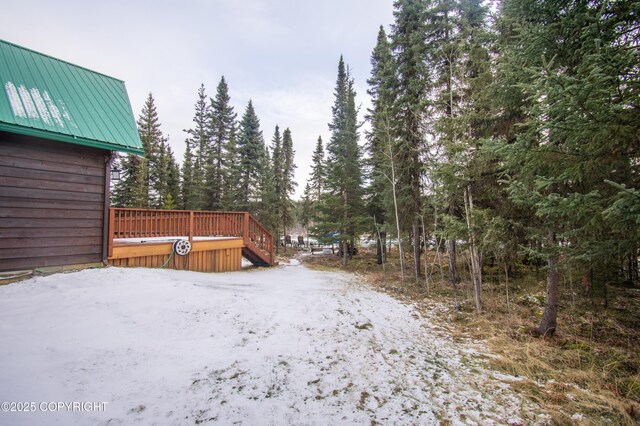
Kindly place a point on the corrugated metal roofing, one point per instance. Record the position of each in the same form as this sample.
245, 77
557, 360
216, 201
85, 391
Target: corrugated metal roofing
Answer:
46, 97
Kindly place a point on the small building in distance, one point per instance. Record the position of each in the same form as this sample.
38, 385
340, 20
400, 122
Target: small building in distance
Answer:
59, 126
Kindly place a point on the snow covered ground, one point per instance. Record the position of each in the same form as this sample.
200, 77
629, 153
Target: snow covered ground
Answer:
279, 346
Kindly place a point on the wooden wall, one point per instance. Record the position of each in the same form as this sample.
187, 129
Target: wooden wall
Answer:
51, 203
205, 256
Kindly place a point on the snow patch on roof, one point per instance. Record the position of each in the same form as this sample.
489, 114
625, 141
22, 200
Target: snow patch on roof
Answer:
53, 109
66, 114
37, 105
29, 106
42, 108
14, 100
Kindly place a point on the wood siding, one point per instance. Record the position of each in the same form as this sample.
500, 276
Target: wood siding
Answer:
205, 256
51, 203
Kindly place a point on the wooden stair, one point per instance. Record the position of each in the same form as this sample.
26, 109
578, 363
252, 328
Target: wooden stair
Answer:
258, 242
255, 255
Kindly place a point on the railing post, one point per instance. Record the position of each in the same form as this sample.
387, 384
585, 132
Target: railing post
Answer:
272, 250
191, 226
245, 228
111, 230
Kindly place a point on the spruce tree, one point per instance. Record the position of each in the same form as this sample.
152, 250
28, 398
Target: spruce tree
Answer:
153, 143
408, 42
277, 166
572, 67
223, 125
306, 214
193, 166
187, 193
288, 181
162, 176
251, 151
461, 179
173, 182
341, 204
267, 213
317, 170
379, 199
231, 194
130, 190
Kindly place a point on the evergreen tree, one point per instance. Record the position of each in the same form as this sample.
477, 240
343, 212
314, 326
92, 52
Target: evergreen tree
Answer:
173, 181
169, 203
341, 204
305, 214
267, 213
251, 151
153, 143
130, 190
231, 194
408, 42
461, 180
162, 175
193, 166
187, 192
278, 174
144, 179
379, 200
574, 68
444, 57
317, 170
222, 121
288, 181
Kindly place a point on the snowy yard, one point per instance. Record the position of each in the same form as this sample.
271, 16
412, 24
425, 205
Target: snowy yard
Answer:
282, 346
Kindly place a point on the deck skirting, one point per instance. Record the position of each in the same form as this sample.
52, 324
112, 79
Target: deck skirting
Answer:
221, 255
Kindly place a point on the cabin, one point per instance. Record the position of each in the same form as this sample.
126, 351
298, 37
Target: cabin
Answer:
60, 125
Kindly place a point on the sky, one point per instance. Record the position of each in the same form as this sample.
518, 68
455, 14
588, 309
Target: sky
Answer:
281, 54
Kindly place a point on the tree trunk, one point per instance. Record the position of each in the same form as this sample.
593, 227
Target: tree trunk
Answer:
378, 251
476, 268
506, 277
345, 216
284, 234
415, 229
548, 323
383, 240
379, 245
395, 208
277, 233
451, 249
426, 259
345, 252
633, 266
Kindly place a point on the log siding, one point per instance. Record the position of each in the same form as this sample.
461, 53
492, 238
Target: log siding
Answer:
52, 203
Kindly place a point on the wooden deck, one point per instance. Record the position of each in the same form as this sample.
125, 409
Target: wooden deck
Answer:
219, 240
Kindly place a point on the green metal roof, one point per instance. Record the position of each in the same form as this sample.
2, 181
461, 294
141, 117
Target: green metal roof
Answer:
45, 97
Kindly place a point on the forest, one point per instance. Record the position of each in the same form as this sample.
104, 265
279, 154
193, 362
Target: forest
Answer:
513, 134
501, 137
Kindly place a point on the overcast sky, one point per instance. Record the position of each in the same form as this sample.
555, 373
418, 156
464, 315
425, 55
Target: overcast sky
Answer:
282, 54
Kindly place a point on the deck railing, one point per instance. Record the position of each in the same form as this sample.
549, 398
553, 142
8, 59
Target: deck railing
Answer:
146, 223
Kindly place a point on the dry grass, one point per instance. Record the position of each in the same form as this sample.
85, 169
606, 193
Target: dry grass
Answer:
587, 374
